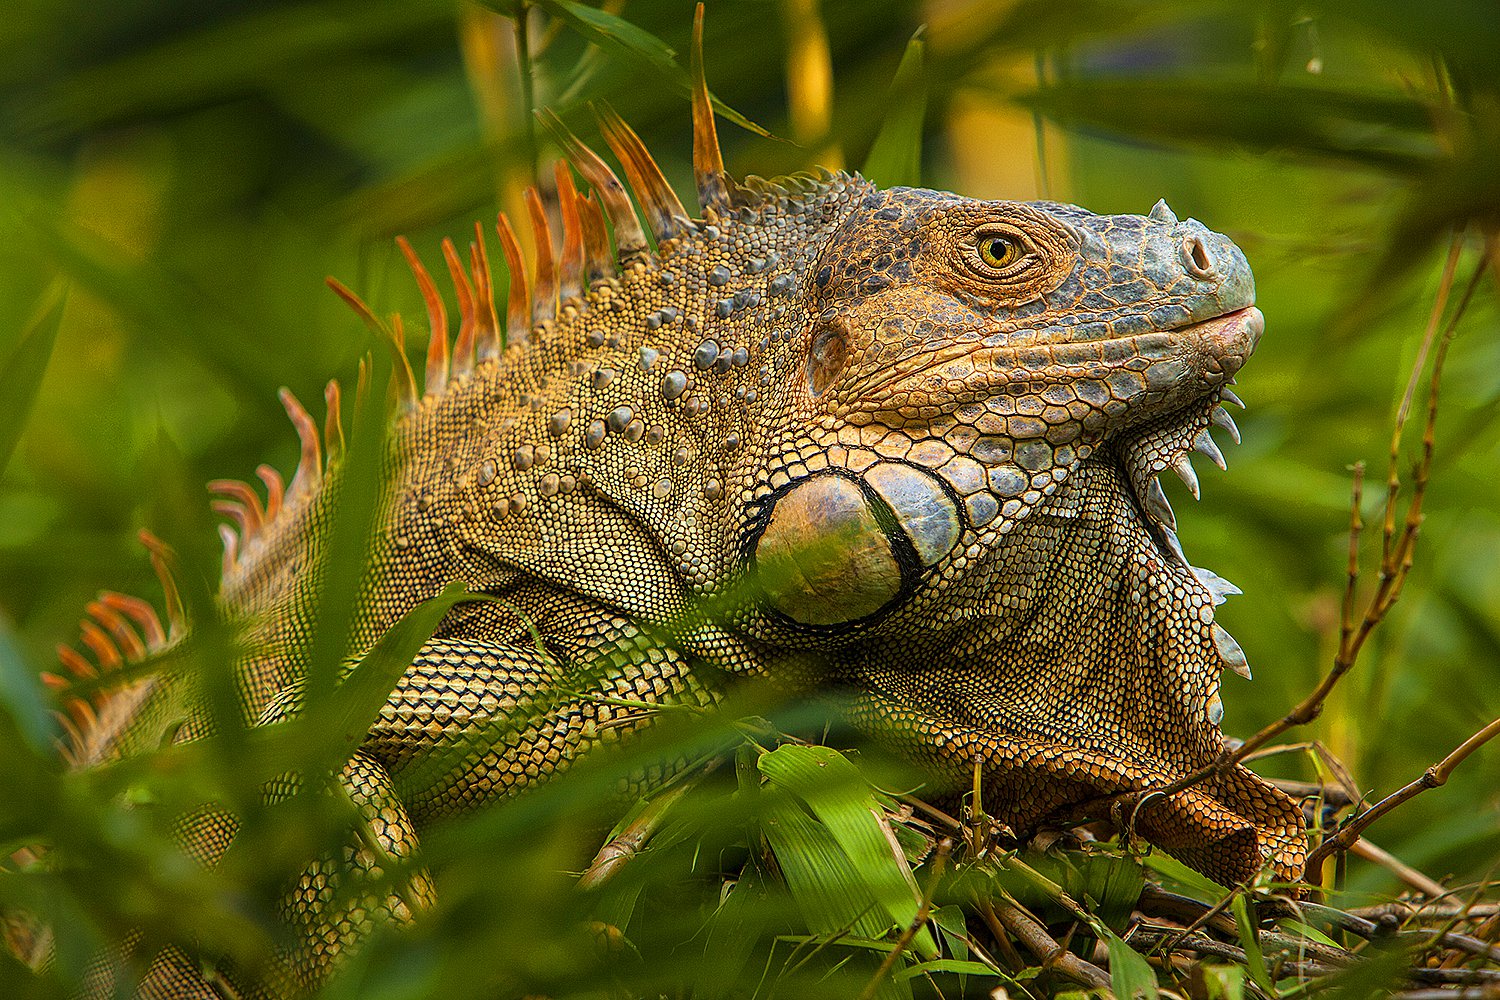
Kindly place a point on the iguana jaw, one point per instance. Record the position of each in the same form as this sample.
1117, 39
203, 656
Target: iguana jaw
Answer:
1166, 441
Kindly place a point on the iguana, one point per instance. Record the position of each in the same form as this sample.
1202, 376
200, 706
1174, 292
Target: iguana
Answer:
898, 444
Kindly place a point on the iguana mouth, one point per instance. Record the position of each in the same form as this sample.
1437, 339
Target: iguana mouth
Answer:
1205, 354
1226, 339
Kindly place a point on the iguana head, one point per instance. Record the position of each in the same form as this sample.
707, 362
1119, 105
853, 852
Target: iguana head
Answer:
970, 354
930, 302
968, 519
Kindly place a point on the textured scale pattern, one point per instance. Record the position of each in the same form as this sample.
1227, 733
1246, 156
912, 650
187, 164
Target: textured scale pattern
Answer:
903, 444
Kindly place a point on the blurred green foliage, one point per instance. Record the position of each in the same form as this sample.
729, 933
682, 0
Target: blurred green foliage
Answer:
191, 172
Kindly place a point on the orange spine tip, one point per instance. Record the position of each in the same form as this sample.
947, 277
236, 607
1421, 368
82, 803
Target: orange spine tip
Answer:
161, 563
234, 511
598, 256
139, 611
251, 516
125, 637
354, 302
570, 273
662, 207
437, 315
362, 384
487, 340
275, 489
406, 381
518, 298
708, 161
544, 299
463, 348
310, 461
630, 238
437, 321
333, 424
75, 662
106, 653
231, 548
82, 713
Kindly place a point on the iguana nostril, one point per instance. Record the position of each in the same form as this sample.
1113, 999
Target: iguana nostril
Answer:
1195, 256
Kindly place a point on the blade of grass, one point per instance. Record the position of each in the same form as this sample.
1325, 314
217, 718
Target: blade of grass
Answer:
1255, 961
831, 892
21, 376
896, 156
1130, 975
613, 32
839, 797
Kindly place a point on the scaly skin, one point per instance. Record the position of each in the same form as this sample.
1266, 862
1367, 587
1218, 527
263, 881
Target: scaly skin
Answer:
893, 468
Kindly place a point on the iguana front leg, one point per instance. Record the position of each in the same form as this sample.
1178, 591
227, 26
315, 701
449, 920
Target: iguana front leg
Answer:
335, 901
469, 722
1231, 826
340, 897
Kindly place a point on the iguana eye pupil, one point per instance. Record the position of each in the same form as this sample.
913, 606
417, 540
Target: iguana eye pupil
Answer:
998, 251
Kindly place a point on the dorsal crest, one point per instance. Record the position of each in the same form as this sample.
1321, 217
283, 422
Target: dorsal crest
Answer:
601, 227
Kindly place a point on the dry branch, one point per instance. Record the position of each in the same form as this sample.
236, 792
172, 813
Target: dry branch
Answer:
1433, 777
1004, 917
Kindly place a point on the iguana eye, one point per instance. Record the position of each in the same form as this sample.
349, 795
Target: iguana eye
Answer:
998, 253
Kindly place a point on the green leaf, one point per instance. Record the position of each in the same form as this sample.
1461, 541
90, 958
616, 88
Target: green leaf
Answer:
734, 929
1387, 131
1130, 975
613, 32
361, 488
831, 892
955, 930
228, 58
22, 696
21, 377
1255, 961
1300, 929
1180, 878
839, 797
959, 966
1224, 982
895, 159
1111, 883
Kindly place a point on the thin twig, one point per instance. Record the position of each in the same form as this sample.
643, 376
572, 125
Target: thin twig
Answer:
1436, 911
1433, 777
1158, 902
629, 841
1351, 583
924, 910
1002, 937
1370, 931
1202, 945
976, 810
1374, 853
1207, 915
933, 811
1030, 932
